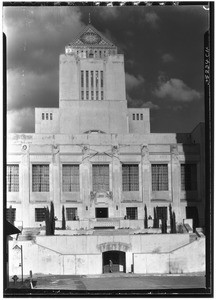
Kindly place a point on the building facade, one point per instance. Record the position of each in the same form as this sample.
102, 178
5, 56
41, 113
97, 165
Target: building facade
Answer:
97, 157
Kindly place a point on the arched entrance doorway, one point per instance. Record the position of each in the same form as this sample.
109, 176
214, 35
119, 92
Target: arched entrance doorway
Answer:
118, 261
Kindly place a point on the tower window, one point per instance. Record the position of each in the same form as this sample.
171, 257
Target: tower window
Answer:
92, 79
47, 116
137, 116
102, 95
101, 78
42, 116
134, 117
82, 79
96, 95
87, 79
51, 116
92, 95
96, 79
87, 95
141, 117
82, 95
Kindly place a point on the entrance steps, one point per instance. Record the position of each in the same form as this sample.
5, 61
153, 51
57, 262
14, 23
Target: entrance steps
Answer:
28, 233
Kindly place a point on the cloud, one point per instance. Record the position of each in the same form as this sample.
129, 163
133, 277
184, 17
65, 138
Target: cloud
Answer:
166, 58
109, 12
152, 19
20, 120
133, 81
150, 105
177, 90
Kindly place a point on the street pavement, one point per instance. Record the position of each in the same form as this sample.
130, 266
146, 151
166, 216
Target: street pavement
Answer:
120, 281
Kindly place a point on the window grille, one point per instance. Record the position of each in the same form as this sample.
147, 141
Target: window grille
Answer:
42, 116
40, 178
11, 215
160, 177
141, 117
130, 177
39, 214
71, 213
133, 116
13, 178
131, 213
51, 117
70, 178
100, 177
188, 177
82, 79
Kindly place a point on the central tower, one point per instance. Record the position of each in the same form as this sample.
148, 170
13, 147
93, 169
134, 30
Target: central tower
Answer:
92, 85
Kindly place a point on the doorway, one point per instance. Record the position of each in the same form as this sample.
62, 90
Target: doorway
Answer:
118, 261
101, 212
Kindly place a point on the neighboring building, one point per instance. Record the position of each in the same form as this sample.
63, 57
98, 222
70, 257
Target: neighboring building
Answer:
96, 156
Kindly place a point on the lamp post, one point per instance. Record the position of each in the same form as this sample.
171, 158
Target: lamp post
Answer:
21, 264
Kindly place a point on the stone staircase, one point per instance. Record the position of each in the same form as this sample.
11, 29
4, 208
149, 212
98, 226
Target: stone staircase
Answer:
105, 223
28, 233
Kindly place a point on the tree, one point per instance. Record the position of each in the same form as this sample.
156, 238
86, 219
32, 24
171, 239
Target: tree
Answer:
145, 218
47, 220
164, 223
171, 218
52, 219
63, 218
174, 223
156, 220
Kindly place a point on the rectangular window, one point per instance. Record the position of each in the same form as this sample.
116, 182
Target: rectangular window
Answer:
42, 116
92, 95
131, 213
39, 214
82, 79
141, 117
40, 178
82, 95
11, 215
101, 78
188, 177
130, 177
137, 116
87, 95
100, 174
87, 79
47, 116
70, 178
134, 117
51, 117
13, 178
71, 213
96, 95
102, 95
96, 79
92, 79
160, 177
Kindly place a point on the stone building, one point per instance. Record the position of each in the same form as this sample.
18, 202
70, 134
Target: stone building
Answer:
97, 157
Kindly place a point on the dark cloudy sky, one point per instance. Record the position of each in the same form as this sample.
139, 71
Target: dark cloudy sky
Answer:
163, 49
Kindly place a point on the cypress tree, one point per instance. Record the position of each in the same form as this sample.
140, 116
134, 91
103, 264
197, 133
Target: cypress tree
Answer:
145, 218
63, 218
174, 223
47, 220
157, 219
171, 218
52, 219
